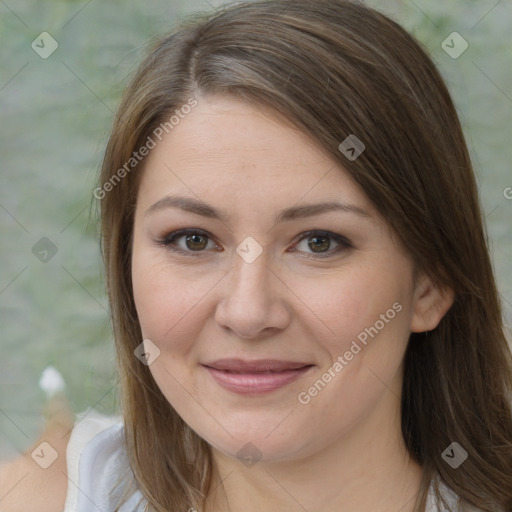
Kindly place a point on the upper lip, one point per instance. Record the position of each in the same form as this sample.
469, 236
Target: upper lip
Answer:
258, 365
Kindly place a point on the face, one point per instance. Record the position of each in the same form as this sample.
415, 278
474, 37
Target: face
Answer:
279, 322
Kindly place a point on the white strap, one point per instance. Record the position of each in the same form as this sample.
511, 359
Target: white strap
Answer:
89, 424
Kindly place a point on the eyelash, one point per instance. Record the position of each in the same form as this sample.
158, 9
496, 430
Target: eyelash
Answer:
169, 241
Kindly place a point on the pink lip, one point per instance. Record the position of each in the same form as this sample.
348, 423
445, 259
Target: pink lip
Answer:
254, 377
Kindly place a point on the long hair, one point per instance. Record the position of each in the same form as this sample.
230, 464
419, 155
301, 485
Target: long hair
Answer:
332, 68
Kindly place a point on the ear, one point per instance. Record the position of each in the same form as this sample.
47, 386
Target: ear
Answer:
430, 304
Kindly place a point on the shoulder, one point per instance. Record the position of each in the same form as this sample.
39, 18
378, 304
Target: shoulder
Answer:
24, 486
37, 480
70, 460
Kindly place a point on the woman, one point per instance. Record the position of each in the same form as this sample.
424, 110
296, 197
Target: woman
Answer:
304, 308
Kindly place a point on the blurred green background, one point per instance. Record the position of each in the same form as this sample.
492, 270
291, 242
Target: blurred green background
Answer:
56, 114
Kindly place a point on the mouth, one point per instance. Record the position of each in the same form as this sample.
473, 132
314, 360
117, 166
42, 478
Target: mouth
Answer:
255, 377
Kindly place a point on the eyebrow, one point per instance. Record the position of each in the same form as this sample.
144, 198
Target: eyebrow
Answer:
198, 207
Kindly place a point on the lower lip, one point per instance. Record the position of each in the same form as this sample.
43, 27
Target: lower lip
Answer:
255, 383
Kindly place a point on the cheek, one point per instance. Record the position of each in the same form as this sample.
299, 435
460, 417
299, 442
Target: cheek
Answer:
373, 336
360, 303
369, 312
168, 300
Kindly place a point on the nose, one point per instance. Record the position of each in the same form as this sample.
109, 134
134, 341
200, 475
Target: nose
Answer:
253, 303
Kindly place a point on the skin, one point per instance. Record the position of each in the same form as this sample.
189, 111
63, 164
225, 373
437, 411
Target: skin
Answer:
246, 162
24, 485
287, 304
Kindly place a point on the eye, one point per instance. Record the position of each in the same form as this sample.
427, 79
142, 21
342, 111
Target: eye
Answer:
320, 243
188, 241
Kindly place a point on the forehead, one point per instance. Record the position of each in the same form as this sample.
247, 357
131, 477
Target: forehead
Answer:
239, 154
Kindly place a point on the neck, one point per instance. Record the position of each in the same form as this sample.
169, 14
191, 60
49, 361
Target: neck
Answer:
366, 469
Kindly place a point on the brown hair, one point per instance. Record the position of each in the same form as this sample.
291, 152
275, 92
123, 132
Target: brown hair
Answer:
333, 68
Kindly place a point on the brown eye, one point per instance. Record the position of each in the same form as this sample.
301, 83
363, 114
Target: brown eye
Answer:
188, 241
196, 242
319, 243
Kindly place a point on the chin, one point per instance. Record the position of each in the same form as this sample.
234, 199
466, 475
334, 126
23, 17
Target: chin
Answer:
257, 440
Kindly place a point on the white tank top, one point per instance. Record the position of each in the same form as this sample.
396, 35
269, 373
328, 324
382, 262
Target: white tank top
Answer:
96, 458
